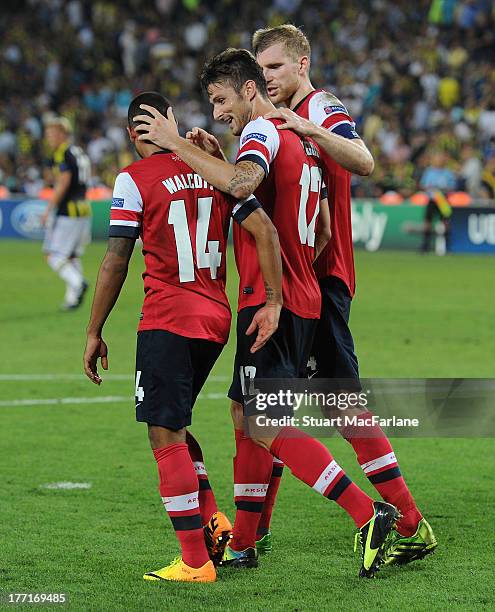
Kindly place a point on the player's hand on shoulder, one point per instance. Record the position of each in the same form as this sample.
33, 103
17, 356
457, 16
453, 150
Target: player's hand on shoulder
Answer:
96, 348
205, 141
292, 120
265, 321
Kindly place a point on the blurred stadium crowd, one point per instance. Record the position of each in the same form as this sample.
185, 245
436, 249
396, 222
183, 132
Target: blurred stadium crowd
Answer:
418, 78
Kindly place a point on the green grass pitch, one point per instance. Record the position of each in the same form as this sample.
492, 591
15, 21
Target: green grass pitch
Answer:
413, 316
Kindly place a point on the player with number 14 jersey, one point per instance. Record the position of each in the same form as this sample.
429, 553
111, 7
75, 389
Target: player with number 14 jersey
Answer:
184, 232
183, 222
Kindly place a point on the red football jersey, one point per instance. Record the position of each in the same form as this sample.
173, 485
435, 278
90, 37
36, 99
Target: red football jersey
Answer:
290, 195
337, 259
183, 222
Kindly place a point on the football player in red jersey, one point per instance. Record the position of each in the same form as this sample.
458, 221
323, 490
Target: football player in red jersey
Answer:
183, 222
284, 54
282, 169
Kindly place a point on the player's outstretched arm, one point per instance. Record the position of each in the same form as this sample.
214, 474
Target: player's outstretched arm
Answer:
323, 229
239, 180
259, 225
111, 277
352, 154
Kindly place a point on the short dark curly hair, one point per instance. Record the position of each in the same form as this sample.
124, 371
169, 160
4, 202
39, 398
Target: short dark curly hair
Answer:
233, 67
151, 98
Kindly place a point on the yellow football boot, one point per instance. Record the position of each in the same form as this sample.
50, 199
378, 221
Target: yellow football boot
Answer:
178, 571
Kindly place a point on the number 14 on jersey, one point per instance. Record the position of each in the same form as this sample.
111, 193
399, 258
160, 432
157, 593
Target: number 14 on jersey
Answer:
207, 251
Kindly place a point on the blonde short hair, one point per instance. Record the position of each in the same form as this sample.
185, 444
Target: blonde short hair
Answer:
293, 39
61, 122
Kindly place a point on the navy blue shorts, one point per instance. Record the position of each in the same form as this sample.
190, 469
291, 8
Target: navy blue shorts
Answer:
332, 354
285, 355
170, 372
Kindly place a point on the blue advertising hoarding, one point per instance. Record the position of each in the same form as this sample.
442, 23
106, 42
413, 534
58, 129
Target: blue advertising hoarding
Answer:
472, 230
22, 219
375, 226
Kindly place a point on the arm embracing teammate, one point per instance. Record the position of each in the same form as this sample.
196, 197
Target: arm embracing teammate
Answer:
283, 169
183, 222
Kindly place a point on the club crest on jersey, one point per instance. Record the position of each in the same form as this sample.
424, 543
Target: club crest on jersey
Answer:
117, 202
255, 136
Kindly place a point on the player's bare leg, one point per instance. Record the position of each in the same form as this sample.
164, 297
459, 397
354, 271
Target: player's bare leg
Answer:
160, 437
237, 415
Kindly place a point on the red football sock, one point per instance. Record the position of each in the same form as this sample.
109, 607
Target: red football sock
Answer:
252, 469
207, 502
311, 461
271, 495
179, 491
377, 459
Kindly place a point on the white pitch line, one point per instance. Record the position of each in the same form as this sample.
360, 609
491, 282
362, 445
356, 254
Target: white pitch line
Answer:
105, 399
65, 400
66, 485
48, 377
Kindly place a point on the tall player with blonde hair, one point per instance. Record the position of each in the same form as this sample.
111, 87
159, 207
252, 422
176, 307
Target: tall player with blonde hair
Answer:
284, 53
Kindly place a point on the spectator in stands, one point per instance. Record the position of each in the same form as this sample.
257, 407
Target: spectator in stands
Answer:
437, 175
414, 75
470, 171
488, 179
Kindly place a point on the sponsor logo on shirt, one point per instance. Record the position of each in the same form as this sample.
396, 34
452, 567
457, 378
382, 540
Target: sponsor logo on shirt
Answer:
117, 202
254, 136
334, 109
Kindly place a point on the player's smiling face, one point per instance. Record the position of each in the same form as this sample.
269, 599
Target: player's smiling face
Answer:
281, 71
229, 106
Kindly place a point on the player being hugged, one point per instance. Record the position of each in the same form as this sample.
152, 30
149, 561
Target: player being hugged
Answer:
283, 171
183, 222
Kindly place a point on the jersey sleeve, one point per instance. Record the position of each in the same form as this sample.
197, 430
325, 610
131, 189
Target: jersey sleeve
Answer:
127, 208
328, 111
244, 208
259, 143
324, 192
67, 163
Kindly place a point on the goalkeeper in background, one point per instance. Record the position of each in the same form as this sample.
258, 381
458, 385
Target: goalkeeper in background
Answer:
67, 217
